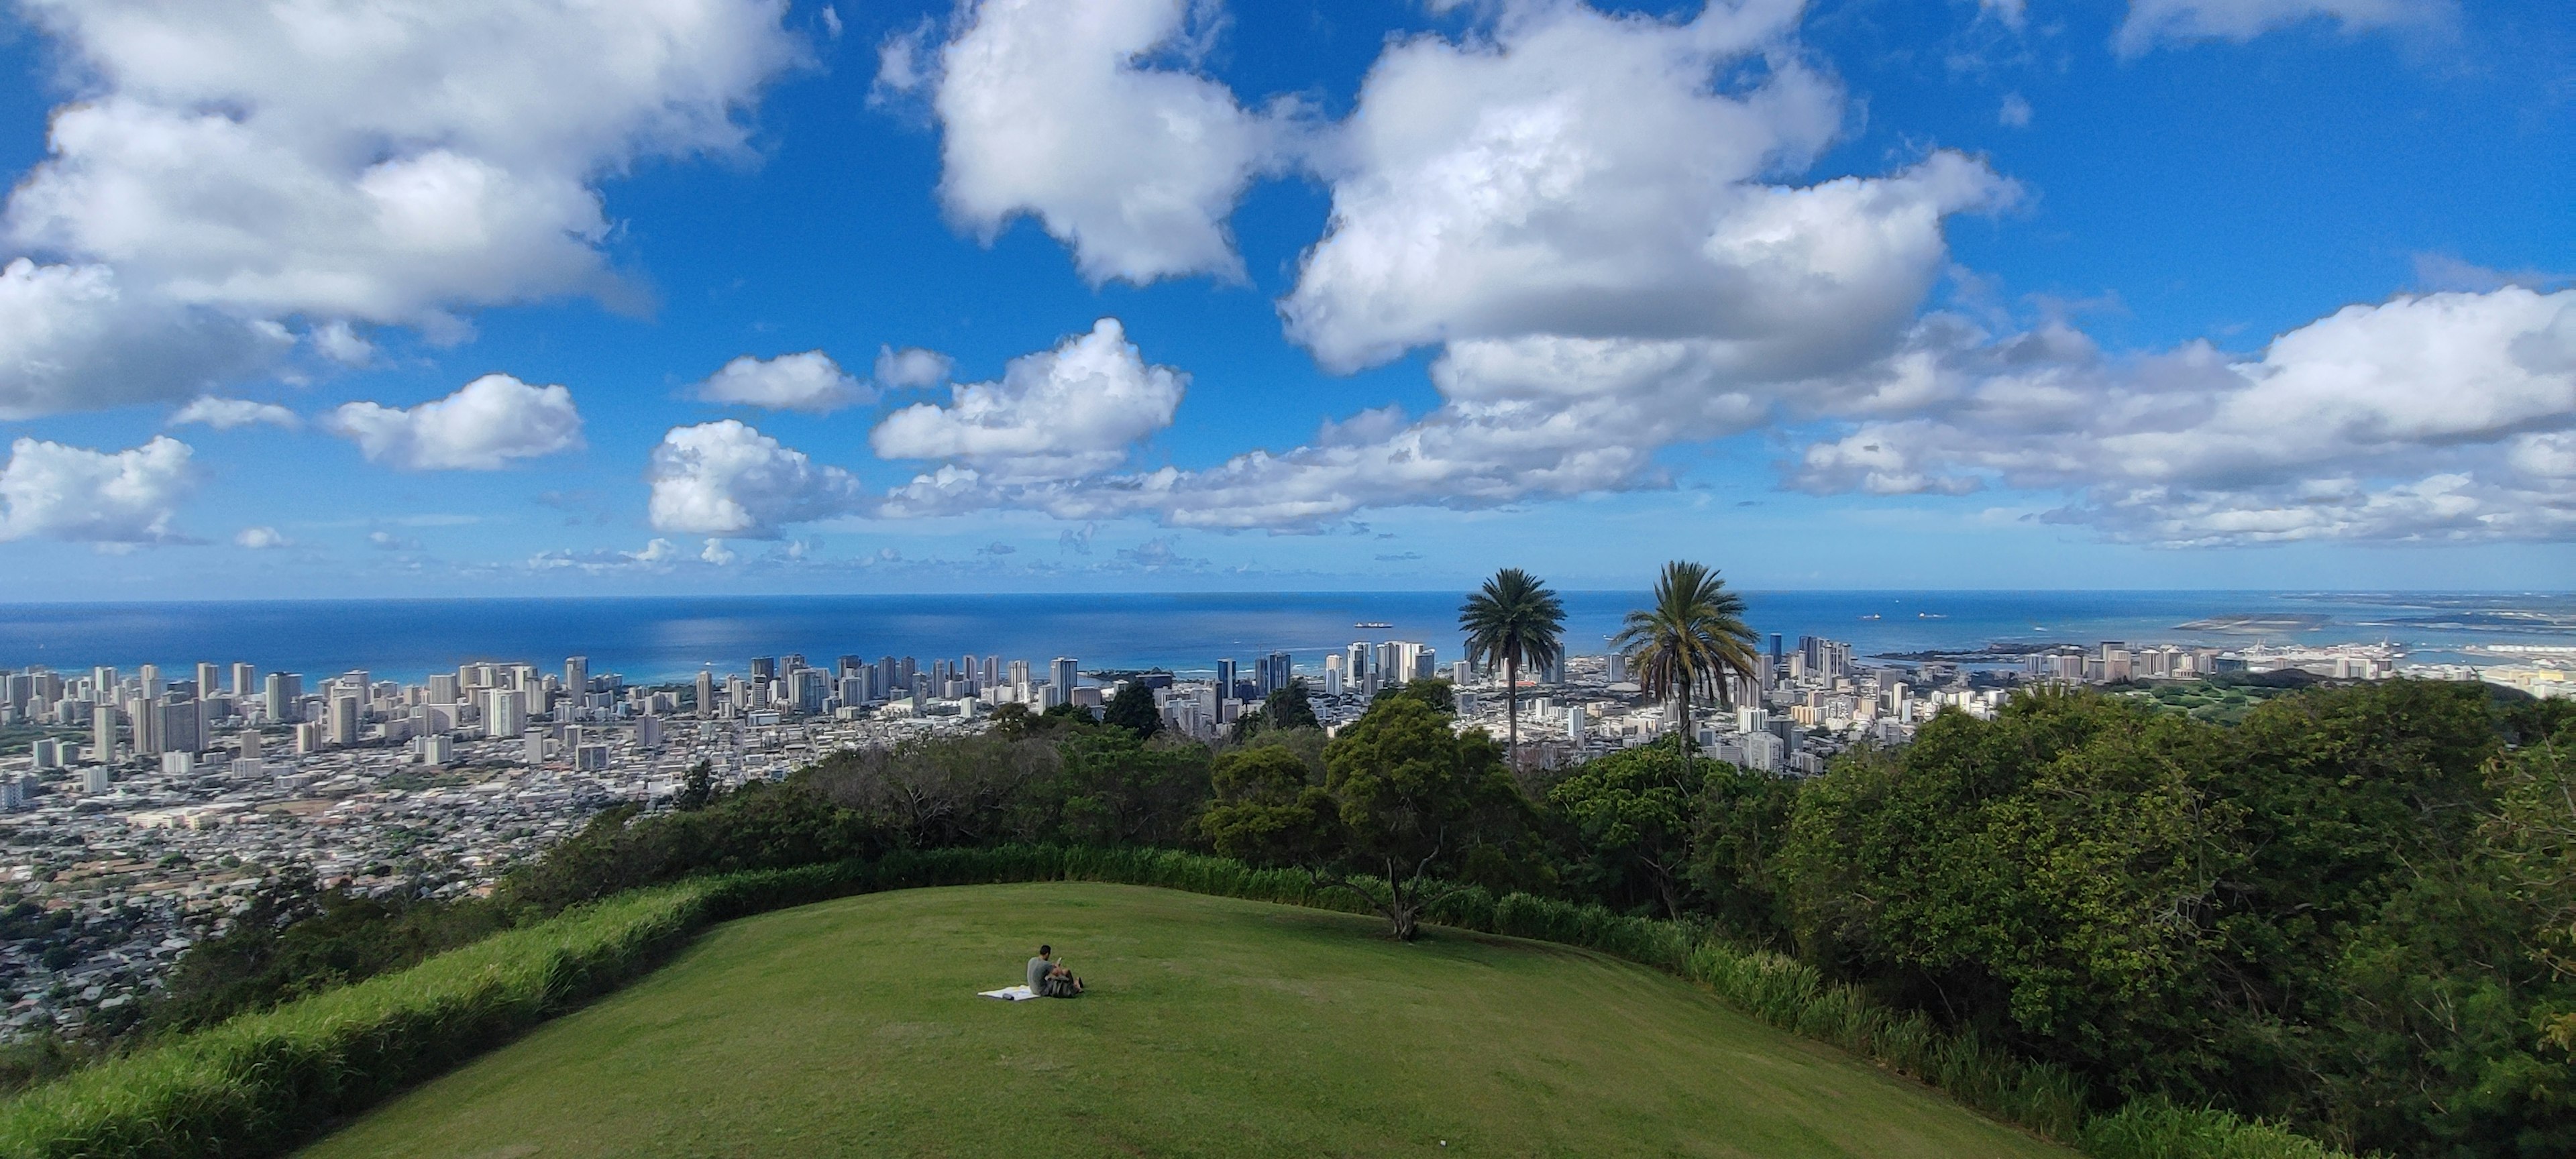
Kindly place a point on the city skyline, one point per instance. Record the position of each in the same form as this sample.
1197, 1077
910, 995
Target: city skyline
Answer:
1135, 295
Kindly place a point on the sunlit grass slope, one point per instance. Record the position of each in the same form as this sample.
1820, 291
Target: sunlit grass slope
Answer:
1214, 1027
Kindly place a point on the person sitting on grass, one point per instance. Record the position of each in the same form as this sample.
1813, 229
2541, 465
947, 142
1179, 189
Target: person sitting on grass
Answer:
1049, 979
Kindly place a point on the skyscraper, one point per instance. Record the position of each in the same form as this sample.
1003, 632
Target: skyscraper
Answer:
208, 676
1225, 680
343, 719
505, 713
706, 693
102, 733
245, 680
576, 677
1064, 673
285, 689
764, 667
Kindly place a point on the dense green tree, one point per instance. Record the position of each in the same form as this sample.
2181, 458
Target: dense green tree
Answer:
697, 787
1110, 788
1690, 637
2046, 877
1741, 821
1133, 709
1406, 801
1436, 695
1635, 814
1283, 710
1511, 621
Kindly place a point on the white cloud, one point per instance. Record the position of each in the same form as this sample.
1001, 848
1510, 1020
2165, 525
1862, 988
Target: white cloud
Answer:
1580, 210
72, 337
1052, 108
2444, 416
2015, 113
53, 491
1581, 174
483, 427
716, 553
385, 162
1057, 414
224, 414
339, 342
260, 539
912, 368
727, 479
809, 382
2152, 22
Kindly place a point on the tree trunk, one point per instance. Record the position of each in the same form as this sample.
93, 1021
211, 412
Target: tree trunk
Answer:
1512, 704
1683, 748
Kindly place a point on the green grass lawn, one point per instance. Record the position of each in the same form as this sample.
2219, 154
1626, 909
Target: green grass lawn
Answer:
1213, 1027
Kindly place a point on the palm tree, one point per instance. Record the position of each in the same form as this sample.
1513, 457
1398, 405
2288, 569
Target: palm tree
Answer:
1513, 620
1692, 635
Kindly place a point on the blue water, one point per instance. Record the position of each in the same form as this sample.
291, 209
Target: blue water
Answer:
666, 638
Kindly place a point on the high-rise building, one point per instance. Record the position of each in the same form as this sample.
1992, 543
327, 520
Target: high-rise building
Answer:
505, 713
208, 676
576, 677
150, 676
706, 693
145, 716
102, 685
1225, 680
183, 726
102, 733
1275, 673
245, 682
343, 720
532, 748
1459, 672
1333, 674
764, 667
992, 671
285, 690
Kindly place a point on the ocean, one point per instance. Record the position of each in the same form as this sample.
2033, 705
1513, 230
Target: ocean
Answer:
654, 639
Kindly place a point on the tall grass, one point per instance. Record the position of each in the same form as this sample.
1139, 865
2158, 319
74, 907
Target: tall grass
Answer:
263, 1082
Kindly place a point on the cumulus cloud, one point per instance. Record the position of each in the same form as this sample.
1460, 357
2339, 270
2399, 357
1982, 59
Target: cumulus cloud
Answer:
1059, 109
260, 539
224, 414
809, 382
2441, 416
386, 163
2154, 22
717, 553
1584, 213
53, 491
486, 425
75, 337
728, 480
912, 368
1056, 414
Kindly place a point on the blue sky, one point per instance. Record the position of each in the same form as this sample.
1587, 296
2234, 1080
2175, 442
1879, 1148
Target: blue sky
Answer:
2190, 293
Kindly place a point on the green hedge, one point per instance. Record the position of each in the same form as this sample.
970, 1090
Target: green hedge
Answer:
261, 1083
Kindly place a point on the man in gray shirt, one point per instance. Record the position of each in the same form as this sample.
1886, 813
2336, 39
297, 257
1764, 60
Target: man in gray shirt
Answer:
1039, 968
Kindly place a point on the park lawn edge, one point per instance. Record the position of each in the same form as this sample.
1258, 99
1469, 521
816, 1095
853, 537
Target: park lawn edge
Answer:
264, 1082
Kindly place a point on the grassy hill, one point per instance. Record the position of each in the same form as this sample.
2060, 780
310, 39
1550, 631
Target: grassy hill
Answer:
1213, 1027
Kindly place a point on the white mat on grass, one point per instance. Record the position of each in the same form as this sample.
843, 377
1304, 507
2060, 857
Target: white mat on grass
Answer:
1009, 994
